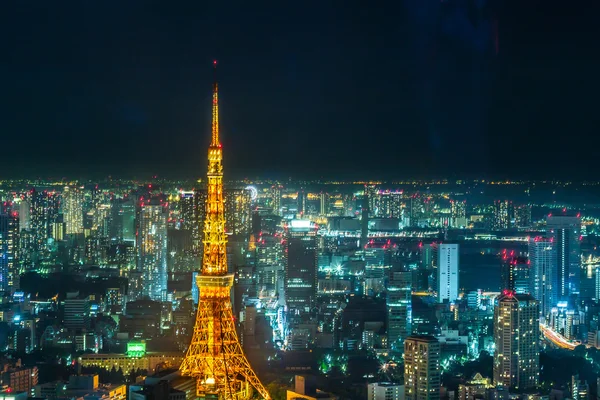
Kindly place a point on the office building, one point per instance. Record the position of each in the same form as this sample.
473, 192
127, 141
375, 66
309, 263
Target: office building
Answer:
152, 251
399, 308
544, 279
301, 279
516, 339
72, 210
422, 373
447, 272
566, 230
76, 312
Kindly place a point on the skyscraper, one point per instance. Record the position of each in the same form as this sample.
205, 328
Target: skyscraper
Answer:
458, 213
370, 200
523, 216
323, 204
152, 251
516, 337
502, 214
566, 231
542, 255
389, 204
188, 208
269, 264
72, 209
399, 308
300, 266
422, 374
238, 211
9, 236
447, 272
44, 212
515, 274
275, 197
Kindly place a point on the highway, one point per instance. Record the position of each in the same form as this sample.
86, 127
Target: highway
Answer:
556, 338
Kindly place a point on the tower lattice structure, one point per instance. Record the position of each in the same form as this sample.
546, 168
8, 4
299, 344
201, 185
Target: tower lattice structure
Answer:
215, 357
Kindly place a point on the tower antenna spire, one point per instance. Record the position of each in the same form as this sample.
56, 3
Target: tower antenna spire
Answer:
215, 108
215, 356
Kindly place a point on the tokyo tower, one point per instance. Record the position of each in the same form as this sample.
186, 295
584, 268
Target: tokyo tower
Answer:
215, 357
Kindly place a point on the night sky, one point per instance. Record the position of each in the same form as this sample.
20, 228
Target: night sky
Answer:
393, 89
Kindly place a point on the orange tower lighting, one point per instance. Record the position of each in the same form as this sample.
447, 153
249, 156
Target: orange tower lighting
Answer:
215, 357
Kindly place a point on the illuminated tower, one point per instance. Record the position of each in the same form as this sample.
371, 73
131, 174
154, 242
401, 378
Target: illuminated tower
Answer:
215, 357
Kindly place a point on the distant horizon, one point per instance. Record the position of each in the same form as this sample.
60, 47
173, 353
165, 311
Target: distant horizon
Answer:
322, 180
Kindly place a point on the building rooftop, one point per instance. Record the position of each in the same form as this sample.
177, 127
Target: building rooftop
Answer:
422, 338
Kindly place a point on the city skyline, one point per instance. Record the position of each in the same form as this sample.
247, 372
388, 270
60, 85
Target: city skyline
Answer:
391, 89
382, 211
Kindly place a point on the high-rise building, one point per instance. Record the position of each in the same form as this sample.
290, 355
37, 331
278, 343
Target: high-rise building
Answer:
301, 201
447, 272
152, 251
516, 339
399, 308
269, 264
25, 214
72, 210
123, 227
43, 212
190, 214
238, 211
301, 279
389, 204
566, 231
580, 389
370, 200
515, 274
323, 204
9, 245
542, 255
275, 195
502, 215
422, 374
523, 216
76, 312
458, 213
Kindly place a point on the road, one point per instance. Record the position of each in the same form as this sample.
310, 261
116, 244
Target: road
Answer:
556, 338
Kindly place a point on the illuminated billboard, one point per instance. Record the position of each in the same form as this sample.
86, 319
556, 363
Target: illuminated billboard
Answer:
136, 349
